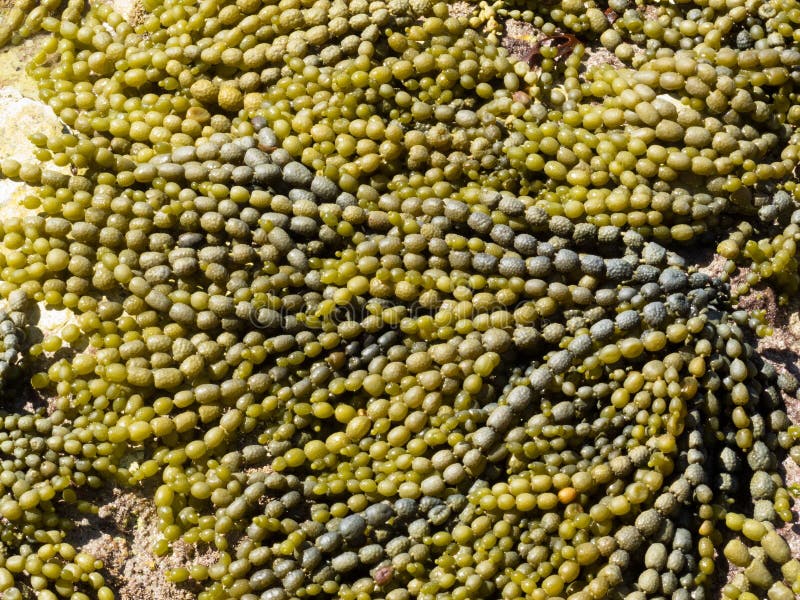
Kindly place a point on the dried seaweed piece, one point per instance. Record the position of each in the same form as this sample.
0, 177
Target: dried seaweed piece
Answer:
564, 42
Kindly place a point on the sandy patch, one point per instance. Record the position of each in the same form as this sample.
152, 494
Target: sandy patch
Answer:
122, 535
